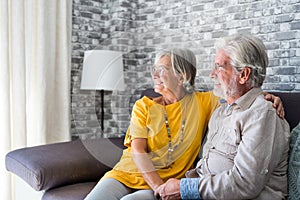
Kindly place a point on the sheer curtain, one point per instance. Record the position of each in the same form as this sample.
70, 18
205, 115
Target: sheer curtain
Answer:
35, 57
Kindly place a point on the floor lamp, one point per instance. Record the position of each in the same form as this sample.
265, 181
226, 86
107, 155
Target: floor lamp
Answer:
102, 70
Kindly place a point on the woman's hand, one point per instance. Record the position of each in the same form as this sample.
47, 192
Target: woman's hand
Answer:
277, 103
169, 190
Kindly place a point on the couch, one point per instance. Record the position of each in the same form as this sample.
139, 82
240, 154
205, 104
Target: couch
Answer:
69, 170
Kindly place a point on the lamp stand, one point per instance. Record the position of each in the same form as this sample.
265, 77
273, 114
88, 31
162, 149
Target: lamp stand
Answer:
102, 110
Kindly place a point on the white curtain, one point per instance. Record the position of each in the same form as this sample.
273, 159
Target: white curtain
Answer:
35, 57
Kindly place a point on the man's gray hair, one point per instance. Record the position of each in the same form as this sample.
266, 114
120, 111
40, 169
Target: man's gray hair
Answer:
246, 51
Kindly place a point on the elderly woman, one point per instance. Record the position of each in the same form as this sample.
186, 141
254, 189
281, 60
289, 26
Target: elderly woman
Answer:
165, 133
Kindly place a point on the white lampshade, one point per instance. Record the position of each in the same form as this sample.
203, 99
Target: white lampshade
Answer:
102, 70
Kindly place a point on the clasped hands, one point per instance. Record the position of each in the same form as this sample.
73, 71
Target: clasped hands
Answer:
170, 190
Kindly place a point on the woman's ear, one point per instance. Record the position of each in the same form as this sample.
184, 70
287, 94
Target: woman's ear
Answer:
180, 80
244, 75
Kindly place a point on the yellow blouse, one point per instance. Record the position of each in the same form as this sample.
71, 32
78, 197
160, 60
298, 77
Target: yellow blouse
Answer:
148, 122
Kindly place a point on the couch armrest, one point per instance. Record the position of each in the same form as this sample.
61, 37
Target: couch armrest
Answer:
52, 165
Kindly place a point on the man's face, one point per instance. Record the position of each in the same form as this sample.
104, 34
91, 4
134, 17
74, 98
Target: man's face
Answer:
225, 77
163, 76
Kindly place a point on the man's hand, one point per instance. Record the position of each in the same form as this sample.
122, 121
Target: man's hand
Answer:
169, 190
277, 103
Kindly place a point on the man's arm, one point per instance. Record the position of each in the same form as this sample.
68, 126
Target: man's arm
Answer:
263, 144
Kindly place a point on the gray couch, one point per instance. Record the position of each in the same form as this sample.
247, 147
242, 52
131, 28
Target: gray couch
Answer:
69, 170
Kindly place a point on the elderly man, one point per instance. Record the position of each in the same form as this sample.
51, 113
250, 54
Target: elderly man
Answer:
246, 152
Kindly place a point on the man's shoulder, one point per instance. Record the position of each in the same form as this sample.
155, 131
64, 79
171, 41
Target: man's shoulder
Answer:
260, 104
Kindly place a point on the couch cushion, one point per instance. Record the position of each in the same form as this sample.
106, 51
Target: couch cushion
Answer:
294, 165
69, 192
53, 165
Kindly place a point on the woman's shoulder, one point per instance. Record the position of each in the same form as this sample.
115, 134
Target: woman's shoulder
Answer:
205, 94
207, 98
145, 101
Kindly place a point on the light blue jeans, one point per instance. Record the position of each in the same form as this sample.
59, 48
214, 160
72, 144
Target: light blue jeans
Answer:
111, 189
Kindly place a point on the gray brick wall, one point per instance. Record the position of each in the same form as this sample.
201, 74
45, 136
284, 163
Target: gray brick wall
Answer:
140, 27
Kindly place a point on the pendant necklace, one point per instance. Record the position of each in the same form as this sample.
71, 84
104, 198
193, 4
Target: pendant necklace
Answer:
171, 148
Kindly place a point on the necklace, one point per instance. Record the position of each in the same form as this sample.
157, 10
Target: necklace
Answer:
171, 148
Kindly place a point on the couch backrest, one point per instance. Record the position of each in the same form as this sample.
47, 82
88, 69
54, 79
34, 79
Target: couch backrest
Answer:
291, 103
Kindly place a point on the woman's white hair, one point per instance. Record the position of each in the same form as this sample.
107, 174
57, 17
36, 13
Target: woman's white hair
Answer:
184, 64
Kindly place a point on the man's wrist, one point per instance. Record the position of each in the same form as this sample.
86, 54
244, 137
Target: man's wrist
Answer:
189, 188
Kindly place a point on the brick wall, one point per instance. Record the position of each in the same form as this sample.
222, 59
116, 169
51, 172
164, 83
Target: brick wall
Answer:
140, 27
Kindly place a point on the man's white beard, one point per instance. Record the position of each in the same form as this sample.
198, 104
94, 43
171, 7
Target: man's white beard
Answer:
219, 92
231, 91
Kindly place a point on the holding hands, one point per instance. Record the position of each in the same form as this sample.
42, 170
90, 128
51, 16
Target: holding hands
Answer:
170, 190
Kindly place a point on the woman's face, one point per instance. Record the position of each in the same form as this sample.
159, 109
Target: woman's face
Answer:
164, 77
